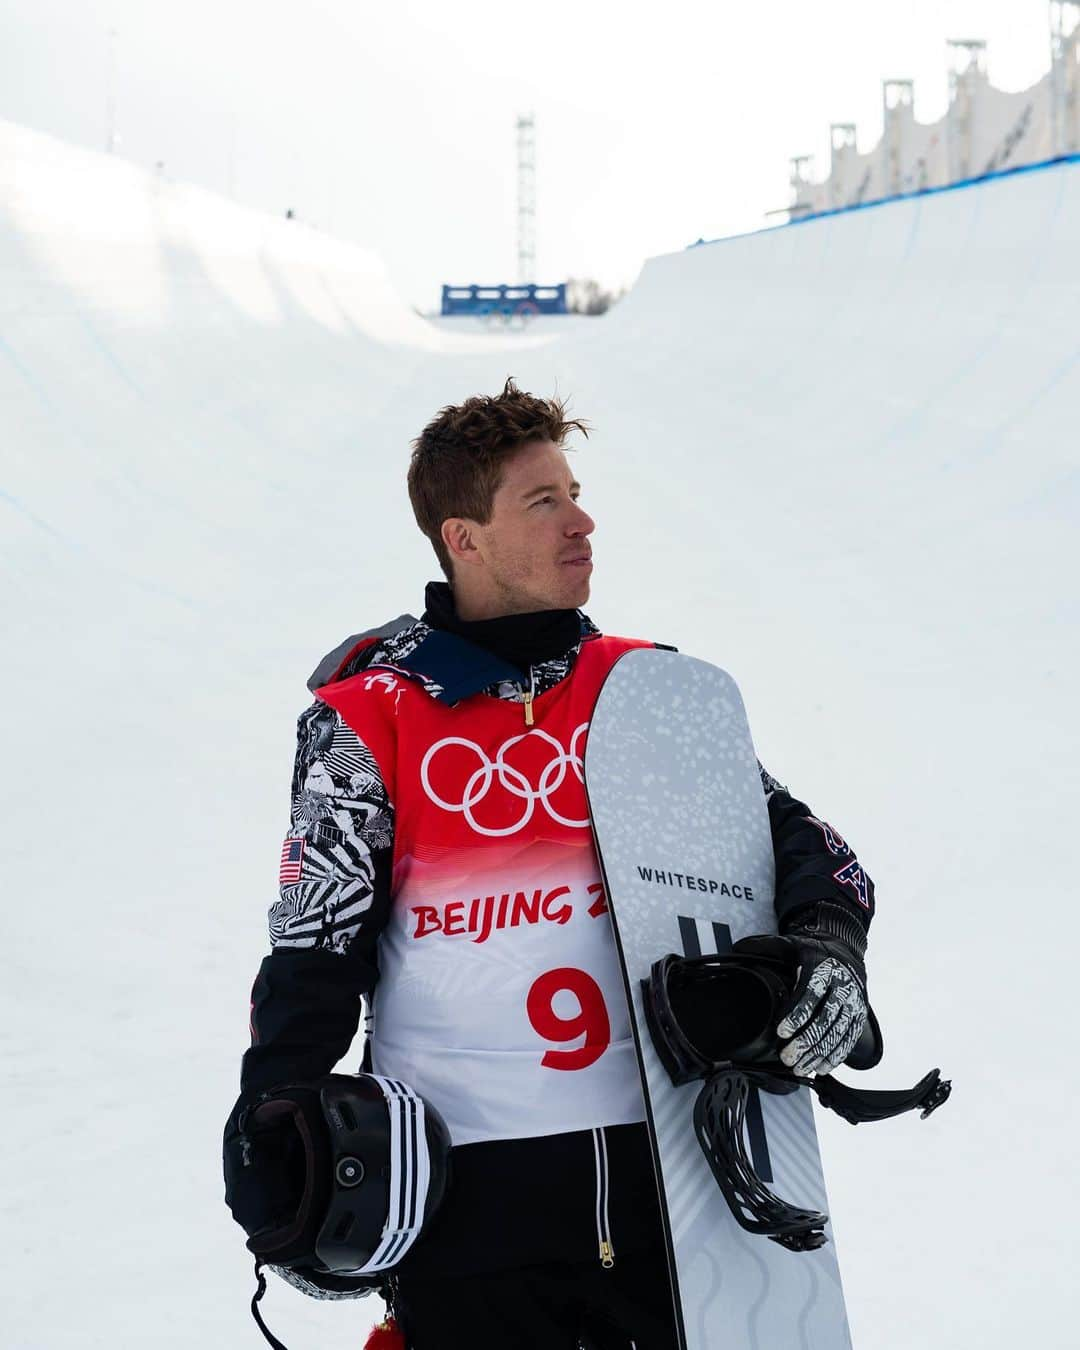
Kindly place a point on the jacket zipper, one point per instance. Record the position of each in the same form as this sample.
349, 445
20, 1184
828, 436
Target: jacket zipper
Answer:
603, 1223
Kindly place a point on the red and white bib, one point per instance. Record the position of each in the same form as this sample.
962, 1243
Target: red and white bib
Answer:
500, 996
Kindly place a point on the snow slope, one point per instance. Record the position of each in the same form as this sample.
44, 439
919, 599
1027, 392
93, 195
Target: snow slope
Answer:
838, 458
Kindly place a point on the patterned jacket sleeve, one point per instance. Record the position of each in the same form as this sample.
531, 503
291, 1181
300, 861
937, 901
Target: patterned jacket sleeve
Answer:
813, 861
333, 901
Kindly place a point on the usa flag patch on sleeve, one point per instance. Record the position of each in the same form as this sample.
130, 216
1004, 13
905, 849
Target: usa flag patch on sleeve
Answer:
292, 858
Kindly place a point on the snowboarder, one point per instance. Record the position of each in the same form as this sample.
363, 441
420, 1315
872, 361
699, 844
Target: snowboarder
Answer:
439, 867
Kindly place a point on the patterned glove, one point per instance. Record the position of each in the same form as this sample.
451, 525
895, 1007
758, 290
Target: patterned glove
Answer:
829, 1007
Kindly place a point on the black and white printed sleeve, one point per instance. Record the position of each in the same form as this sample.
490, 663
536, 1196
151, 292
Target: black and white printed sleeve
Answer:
336, 856
814, 863
333, 901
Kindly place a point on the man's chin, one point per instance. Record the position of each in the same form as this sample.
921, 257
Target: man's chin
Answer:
580, 592
562, 593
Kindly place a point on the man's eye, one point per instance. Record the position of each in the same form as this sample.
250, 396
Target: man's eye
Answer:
541, 500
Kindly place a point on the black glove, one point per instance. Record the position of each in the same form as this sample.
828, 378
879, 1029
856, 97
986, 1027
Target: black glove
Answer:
829, 1011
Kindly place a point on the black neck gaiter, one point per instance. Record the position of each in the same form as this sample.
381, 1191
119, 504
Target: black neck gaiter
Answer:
522, 639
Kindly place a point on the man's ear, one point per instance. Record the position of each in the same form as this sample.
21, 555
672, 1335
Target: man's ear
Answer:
459, 536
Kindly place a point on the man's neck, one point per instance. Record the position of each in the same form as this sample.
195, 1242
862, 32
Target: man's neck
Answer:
478, 611
522, 638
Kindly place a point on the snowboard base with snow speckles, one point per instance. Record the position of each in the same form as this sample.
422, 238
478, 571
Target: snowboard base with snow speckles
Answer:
682, 830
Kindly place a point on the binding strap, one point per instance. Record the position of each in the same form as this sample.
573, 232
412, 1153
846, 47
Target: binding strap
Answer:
720, 1126
859, 1105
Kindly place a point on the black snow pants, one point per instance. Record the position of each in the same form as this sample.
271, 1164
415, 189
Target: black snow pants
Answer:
560, 1305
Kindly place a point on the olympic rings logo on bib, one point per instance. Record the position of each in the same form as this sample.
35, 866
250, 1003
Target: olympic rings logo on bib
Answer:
500, 784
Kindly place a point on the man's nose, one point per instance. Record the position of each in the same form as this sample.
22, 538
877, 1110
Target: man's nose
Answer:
584, 523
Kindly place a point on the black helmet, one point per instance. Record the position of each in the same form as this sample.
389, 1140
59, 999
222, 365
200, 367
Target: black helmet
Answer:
333, 1181
714, 1018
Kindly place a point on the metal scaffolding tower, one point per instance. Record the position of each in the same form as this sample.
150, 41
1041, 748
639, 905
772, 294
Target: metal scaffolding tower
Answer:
1065, 76
800, 176
898, 105
967, 74
842, 153
526, 184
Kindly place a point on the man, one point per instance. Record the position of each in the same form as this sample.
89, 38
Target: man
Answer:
439, 863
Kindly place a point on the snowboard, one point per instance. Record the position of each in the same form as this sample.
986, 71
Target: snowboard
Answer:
682, 832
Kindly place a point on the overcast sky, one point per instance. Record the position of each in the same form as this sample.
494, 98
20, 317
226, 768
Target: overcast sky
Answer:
394, 125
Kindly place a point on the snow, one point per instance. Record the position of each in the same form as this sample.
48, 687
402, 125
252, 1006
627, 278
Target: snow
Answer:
839, 459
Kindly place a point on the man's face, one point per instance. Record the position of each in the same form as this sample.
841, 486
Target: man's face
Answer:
534, 553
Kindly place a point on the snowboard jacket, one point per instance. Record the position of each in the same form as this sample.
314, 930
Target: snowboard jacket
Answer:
381, 882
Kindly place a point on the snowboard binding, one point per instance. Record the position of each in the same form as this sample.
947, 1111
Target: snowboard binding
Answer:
714, 1018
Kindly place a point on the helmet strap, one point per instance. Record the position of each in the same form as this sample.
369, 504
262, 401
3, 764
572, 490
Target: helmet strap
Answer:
261, 1278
